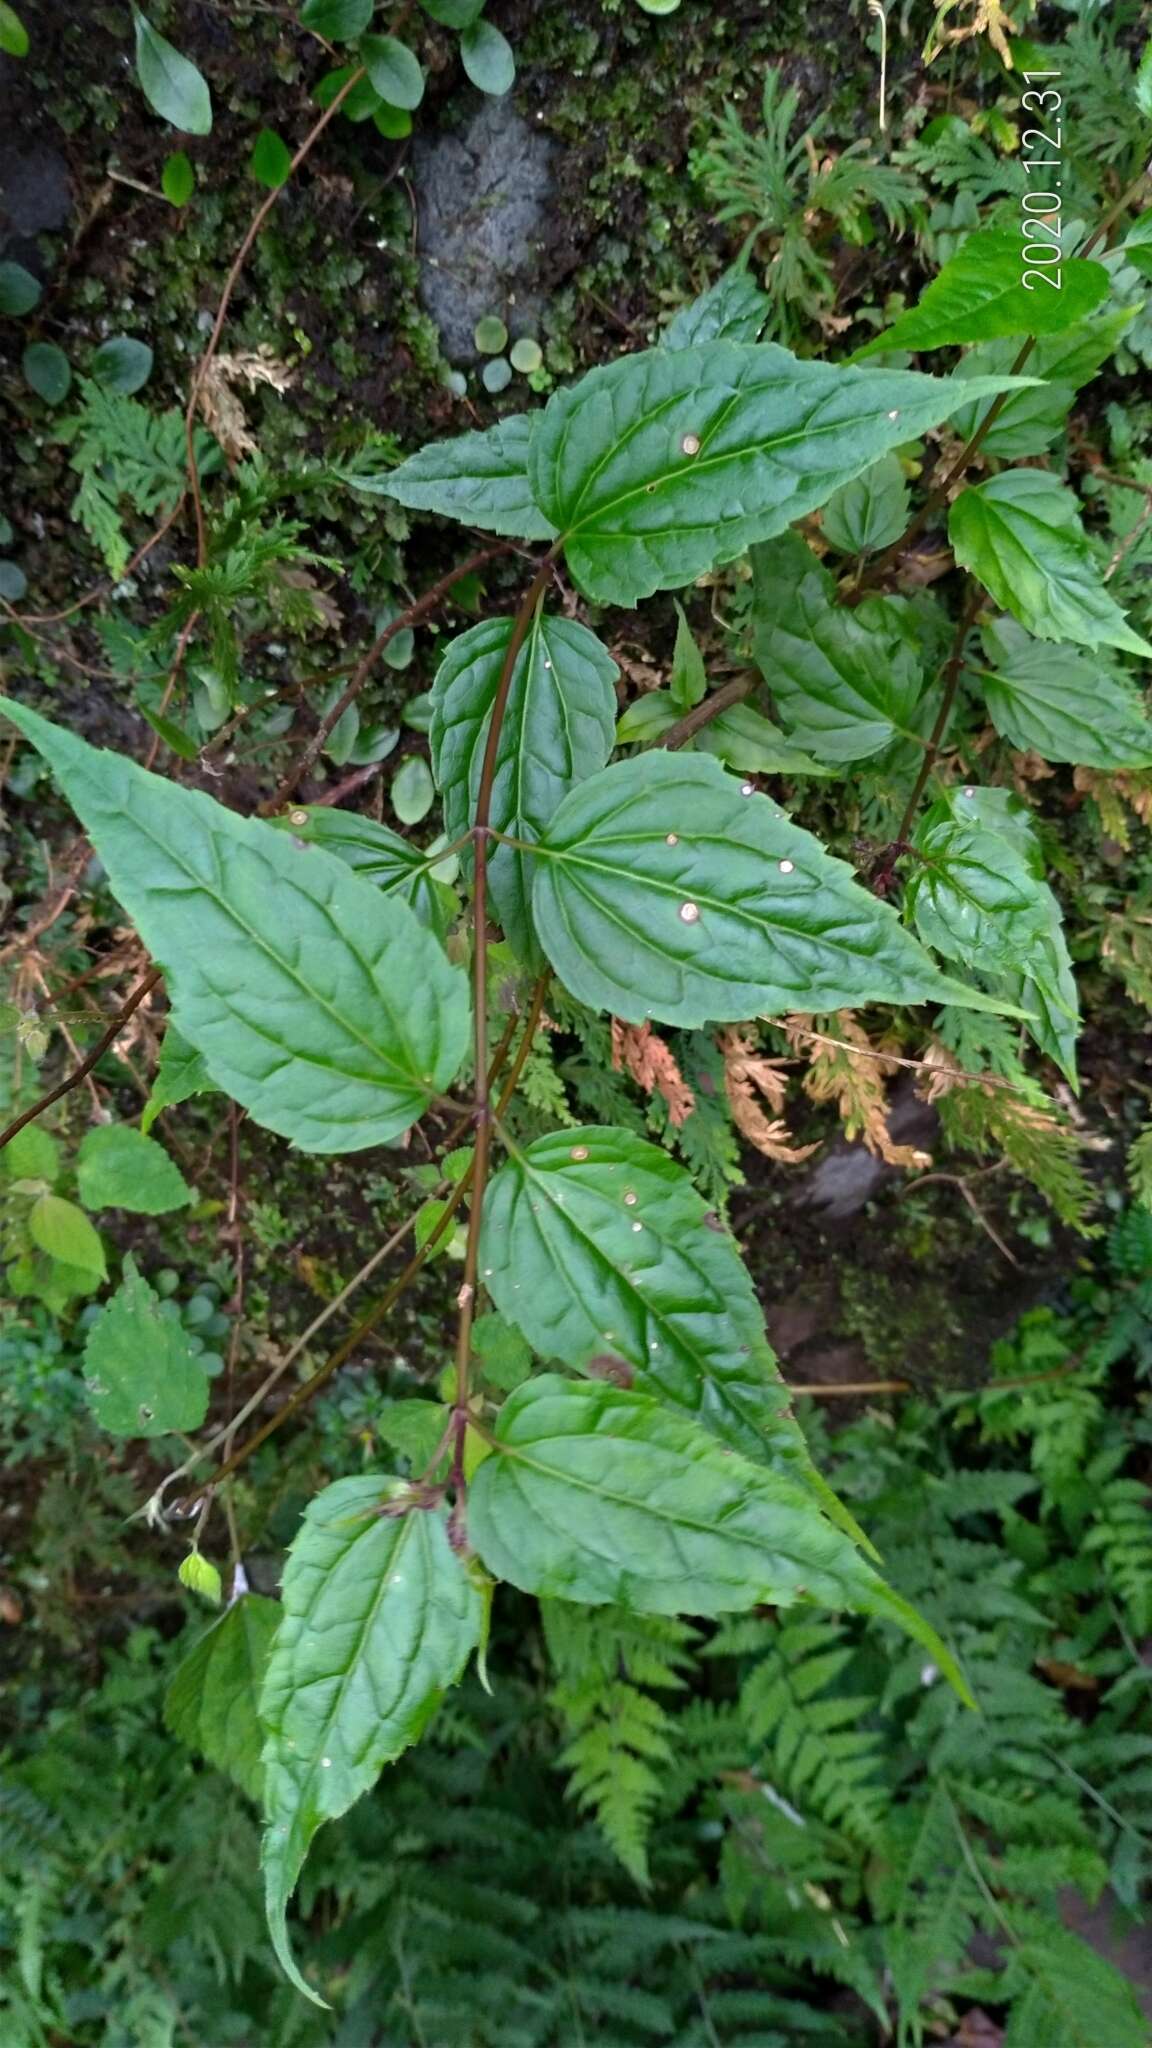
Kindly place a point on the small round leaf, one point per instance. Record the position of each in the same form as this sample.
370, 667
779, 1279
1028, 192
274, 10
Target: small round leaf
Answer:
496, 375
46, 369
122, 364
527, 355
394, 71
13, 582
271, 159
19, 290
13, 34
178, 179
413, 792
490, 335
340, 20
392, 122
487, 58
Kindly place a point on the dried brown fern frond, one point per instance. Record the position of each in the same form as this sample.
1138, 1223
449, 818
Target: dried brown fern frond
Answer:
748, 1076
216, 394
847, 1069
641, 1052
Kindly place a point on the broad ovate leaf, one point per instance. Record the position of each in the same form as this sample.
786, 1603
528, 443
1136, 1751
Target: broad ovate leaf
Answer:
141, 1374
598, 1493
480, 479
597, 1245
980, 294
379, 1618
668, 889
558, 730
973, 896
732, 309
212, 1703
62, 1230
117, 1167
1020, 534
871, 511
318, 1003
1042, 982
171, 84
1063, 705
670, 461
847, 683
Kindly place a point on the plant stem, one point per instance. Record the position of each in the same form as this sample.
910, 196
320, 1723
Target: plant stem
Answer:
91, 1059
952, 672
482, 1111
702, 714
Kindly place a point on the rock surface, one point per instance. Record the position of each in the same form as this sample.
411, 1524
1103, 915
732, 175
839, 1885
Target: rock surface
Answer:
482, 206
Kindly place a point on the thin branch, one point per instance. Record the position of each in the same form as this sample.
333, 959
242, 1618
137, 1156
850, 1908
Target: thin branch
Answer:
411, 617
467, 1295
230, 282
92, 1059
702, 714
952, 672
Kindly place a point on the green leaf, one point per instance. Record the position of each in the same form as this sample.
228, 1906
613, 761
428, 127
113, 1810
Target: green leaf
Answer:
871, 511
973, 896
413, 792
1062, 705
480, 479
599, 1494
335, 1022
748, 742
46, 368
667, 889
363, 101
558, 730
211, 1704
271, 160
33, 1154
487, 58
181, 1074
1031, 420
141, 1375
394, 71
178, 179
122, 364
847, 683
645, 719
732, 309
980, 294
13, 582
597, 1244
670, 461
341, 21
117, 1167
64, 1232
13, 34
453, 13
689, 678
379, 1619
372, 850
19, 290
201, 1576
505, 1357
172, 86
1043, 985
1020, 534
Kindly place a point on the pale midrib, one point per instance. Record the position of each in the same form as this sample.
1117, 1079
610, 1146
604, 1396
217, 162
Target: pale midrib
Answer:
410, 1077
